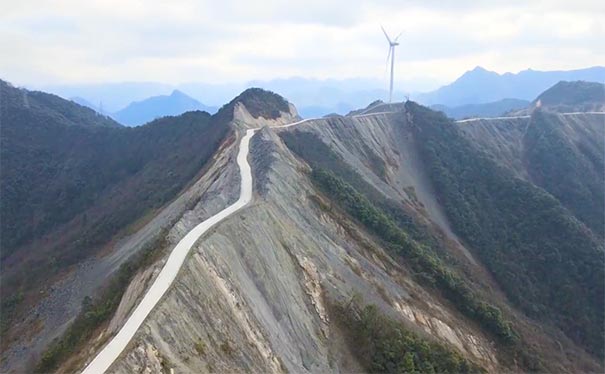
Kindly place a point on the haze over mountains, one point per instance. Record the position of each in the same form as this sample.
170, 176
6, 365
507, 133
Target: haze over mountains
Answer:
483, 86
316, 98
493, 109
140, 112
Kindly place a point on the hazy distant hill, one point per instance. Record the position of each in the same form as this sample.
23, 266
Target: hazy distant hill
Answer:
576, 96
493, 109
568, 97
82, 101
312, 97
46, 109
112, 96
482, 86
140, 112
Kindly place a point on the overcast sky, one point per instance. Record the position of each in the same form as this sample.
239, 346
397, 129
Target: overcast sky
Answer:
220, 41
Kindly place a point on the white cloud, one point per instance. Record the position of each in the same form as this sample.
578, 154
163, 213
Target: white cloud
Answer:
62, 41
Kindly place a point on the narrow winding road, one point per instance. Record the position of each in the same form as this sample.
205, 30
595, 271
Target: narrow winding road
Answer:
112, 350
517, 117
177, 257
164, 280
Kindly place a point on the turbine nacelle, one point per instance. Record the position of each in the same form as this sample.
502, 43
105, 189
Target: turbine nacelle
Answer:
392, 44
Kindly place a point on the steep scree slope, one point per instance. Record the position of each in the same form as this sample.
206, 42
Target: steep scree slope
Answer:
255, 295
258, 292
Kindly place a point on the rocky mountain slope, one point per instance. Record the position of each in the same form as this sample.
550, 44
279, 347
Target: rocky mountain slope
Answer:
562, 154
264, 291
257, 294
390, 239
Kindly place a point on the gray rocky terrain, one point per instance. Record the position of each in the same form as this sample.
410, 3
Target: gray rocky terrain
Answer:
255, 293
252, 297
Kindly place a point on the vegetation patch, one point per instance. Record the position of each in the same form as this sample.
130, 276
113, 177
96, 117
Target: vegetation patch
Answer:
258, 102
574, 175
200, 347
426, 265
95, 313
227, 348
384, 345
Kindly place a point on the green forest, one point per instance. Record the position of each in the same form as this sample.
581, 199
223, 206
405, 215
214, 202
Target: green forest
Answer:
548, 263
69, 172
384, 345
571, 173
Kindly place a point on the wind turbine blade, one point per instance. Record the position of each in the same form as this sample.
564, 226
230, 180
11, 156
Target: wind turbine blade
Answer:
398, 36
385, 34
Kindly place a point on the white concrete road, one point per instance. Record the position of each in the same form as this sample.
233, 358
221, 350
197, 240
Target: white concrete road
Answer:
513, 117
116, 345
162, 283
112, 350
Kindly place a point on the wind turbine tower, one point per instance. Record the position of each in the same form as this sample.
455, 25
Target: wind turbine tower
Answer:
392, 44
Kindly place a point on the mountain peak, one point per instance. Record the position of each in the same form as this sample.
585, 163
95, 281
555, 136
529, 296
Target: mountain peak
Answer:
260, 103
479, 69
483, 86
177, 93
140, 112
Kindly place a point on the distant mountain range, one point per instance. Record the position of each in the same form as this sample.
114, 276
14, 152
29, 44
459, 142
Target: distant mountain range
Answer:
494, 109
312, 97
316, 98
82, 101
141, 112
482, 86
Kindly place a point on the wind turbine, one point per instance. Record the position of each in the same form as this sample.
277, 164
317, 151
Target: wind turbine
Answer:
392, 45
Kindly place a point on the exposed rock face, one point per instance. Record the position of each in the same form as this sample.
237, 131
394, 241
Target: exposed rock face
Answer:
254, 295
383, 151
252, 298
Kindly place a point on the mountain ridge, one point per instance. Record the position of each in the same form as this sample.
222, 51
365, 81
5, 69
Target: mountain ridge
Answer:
140, 112
493, 109
480, 85
396, 214
70, 188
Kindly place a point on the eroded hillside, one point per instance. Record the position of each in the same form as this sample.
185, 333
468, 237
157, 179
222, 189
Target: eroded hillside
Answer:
391, 239
346, 213
257, 293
